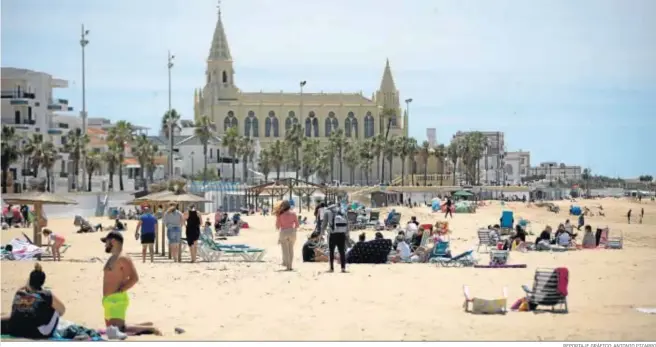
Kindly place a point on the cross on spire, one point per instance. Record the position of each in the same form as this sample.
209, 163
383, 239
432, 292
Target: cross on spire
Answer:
218, 6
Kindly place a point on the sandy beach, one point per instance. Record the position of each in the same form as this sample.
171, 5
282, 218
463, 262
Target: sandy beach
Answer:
230, 300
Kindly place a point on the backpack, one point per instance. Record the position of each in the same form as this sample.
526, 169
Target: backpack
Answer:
339, 223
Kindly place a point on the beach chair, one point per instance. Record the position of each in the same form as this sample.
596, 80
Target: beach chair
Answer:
46, 249
484, 240
394, 222
484, 306
498, 257
507, 223
546, 290
461, 260
603, 239
245, 252
374, 219
440, 250
615, 242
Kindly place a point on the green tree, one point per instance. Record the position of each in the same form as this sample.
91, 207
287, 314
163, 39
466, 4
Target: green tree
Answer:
10, 152
204, 131
122, 134
231, 141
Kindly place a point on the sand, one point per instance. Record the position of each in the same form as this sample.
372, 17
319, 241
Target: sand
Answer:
231, 300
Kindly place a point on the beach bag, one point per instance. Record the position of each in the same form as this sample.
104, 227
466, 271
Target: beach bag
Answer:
339, 223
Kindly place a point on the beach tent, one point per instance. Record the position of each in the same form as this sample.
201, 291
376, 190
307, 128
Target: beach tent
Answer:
435, 205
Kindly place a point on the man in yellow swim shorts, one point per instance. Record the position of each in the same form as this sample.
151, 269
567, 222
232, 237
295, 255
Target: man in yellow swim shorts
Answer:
119, 276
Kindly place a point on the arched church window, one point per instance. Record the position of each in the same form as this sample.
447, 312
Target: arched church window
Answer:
251, 128
271, 125
332, 124
369, 126
224, 77
310, 122
230, 121
290, 121
351, 125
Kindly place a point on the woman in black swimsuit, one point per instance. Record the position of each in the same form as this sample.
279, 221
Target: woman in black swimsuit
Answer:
193, 231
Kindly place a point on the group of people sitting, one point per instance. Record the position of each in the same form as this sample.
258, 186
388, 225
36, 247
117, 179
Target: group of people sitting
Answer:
564, 237
15, 216
224, 225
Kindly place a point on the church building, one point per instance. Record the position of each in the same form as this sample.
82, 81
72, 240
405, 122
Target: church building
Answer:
267, 116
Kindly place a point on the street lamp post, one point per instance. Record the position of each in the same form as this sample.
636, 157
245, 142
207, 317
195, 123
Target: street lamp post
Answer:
83, 43
407, 112
300, 116
170, 120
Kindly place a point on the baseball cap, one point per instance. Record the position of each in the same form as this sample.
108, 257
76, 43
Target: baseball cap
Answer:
113, 235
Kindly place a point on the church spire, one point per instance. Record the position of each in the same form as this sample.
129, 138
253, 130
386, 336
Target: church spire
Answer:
387, 83
219, 49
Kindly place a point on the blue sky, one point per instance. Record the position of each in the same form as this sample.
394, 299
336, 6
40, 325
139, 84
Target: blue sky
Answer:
571, 81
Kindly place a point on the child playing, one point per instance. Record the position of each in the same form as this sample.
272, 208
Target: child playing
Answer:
57, 242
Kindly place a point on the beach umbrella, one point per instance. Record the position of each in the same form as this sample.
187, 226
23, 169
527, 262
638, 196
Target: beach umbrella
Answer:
38, 199
154, 197
463, 193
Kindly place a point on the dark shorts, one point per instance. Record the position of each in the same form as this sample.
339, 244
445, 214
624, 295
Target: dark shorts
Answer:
148, 239
192, 236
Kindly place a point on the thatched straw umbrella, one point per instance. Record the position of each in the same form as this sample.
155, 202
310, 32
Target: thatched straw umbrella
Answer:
38, 199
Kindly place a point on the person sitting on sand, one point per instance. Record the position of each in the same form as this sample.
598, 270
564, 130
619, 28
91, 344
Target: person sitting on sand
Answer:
55, 242
399, 236
118, 225
414, 221
403, 252
589, 240
545, 236
312, 252
119, 276
494, 234
35, 311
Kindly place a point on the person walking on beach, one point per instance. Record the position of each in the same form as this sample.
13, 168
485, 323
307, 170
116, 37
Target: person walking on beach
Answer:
119, 276
193, 231
148, 225
287, 223
173, 219
448, 208
642, 214
628, 216
337, 226
318, 214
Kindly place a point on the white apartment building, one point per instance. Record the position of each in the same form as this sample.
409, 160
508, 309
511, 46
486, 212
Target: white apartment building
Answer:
552, 171
517, 166
28, 105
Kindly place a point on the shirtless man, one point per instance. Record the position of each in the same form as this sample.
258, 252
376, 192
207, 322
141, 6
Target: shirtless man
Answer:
119, 276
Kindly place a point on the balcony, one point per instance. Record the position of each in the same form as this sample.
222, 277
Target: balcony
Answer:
14, 94
59, 105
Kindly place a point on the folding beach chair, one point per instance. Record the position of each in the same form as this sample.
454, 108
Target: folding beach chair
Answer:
461, 260
546, 291
603, 239
484, 306
507, 222
615, 242
484, 240
440, 250
374, 219
245, 252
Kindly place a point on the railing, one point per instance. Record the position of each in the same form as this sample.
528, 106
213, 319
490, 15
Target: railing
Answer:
12, 121
13, 94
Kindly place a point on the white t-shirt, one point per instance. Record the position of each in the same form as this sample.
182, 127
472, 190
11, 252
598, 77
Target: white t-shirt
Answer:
411, 229
403, 249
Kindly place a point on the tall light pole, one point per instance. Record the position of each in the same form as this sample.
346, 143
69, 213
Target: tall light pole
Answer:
170, 120
407, 113
83, 43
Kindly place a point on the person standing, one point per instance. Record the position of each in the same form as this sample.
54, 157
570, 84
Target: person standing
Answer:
628, 216
642, 214
448, 208
287, 223
335, 222
148, 225
193, 231
119, 276
173, 219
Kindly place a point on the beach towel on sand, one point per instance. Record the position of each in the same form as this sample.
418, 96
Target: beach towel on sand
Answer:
563, 280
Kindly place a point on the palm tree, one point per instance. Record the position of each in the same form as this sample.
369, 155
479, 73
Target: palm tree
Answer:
474, 145
388, 153
310, 151
424, 153
122, 134
10, 152
386, 117
34, 150
366, 157
294, 139
92, 163
403, 148
324, 163
170, 119
378, 143
264, 163
49, 156
145, 153
337, 141
277, 156
352, 157
151, 165
440, 154
413, 150
112, 157
75, 145
231, 140
245, 151
204, 131
453, 152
